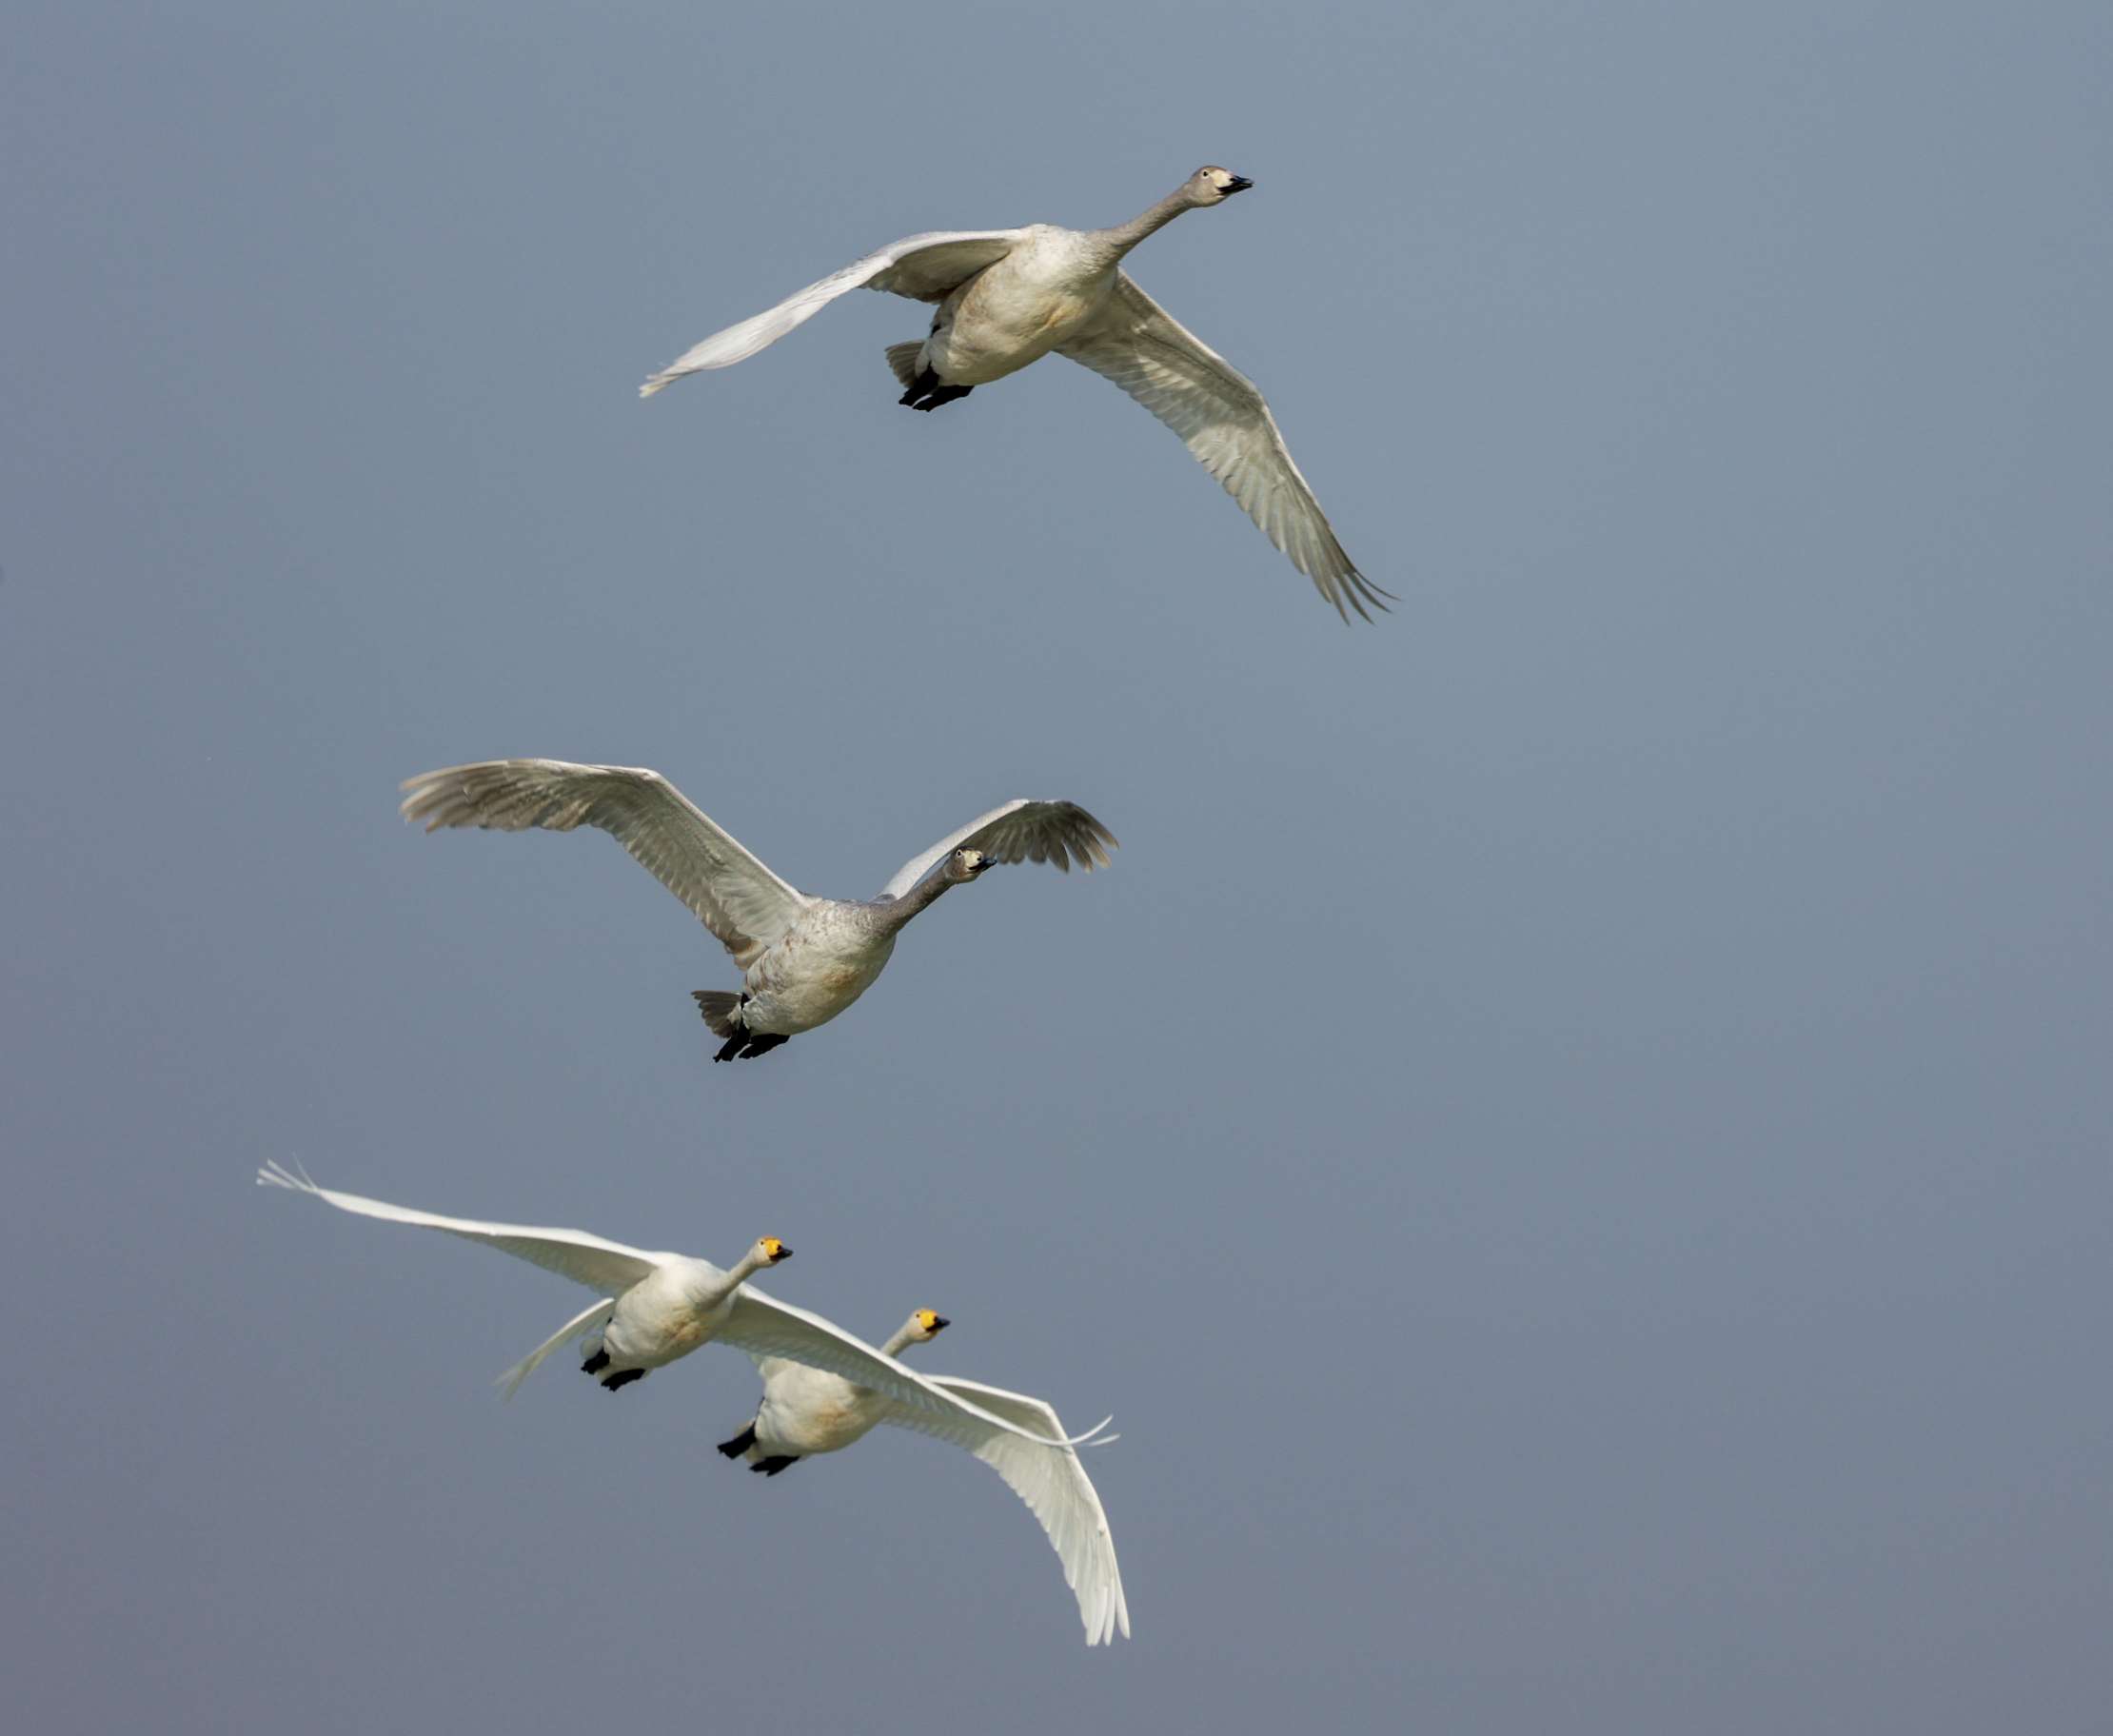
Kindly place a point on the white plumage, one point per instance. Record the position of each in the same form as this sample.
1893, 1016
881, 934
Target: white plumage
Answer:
805, 1410
660, 1307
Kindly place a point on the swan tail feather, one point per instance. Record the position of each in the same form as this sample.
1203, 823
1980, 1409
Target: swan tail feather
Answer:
719, 1008
903, 358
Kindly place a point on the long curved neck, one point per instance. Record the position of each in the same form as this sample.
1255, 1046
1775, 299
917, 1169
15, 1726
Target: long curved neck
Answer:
897, 911
747, 1266
1124, 236
901, 1342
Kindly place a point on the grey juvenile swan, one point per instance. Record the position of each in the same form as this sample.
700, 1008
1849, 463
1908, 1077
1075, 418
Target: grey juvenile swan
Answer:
803, 960
1008, 297
808, 1410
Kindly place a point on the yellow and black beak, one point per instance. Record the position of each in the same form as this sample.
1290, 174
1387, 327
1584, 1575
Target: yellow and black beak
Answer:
1240, 184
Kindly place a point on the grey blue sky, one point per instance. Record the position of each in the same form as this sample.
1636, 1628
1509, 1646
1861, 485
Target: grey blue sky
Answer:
1573, 1136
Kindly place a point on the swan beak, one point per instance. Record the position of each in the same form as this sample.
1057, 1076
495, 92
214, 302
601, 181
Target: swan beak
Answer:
940, 1323
782, 1254
1240, 184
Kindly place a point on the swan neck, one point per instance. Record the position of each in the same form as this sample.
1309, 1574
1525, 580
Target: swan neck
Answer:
747, 1266
900, 911
901, 1342
1148, 221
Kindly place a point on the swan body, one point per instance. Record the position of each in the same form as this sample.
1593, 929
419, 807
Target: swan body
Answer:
1006, 298
819, 967
803, 960
807, 1411
1040, 296
660, 1307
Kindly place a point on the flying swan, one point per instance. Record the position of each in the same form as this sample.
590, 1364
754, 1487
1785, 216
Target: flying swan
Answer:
1008, 297
660, 1307
807, 1411
803, 960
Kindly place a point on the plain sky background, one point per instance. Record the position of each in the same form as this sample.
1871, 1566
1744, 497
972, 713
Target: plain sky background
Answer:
1573, 1136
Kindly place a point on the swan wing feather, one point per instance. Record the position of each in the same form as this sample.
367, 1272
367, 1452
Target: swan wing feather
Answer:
724, 885
1223, 419
1020, 831
1047, 1475
927, 268
591, 1260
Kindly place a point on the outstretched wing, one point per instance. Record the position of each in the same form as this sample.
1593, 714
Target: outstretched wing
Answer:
927, 268
726, 887
1021, 831
1056, 1490
610, 1267
590, 1319
1220, 413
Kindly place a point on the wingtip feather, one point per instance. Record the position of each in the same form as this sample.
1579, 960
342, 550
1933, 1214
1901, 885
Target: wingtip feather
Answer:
276, 1175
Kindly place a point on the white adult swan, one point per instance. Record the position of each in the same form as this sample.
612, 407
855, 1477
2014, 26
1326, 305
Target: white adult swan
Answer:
1008, 297
805, 1410
803, 960
663, 1306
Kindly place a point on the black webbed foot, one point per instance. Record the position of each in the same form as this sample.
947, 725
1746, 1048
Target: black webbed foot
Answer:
740, 1444
623, 1379
926, 393
770, 1467
595, 1364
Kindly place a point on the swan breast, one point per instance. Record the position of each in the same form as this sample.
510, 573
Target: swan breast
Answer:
831, 958
1019, 310
808, 1411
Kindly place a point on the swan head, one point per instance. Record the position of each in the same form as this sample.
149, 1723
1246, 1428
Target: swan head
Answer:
1212, 184
924, 1325
964, 864
769, 1251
